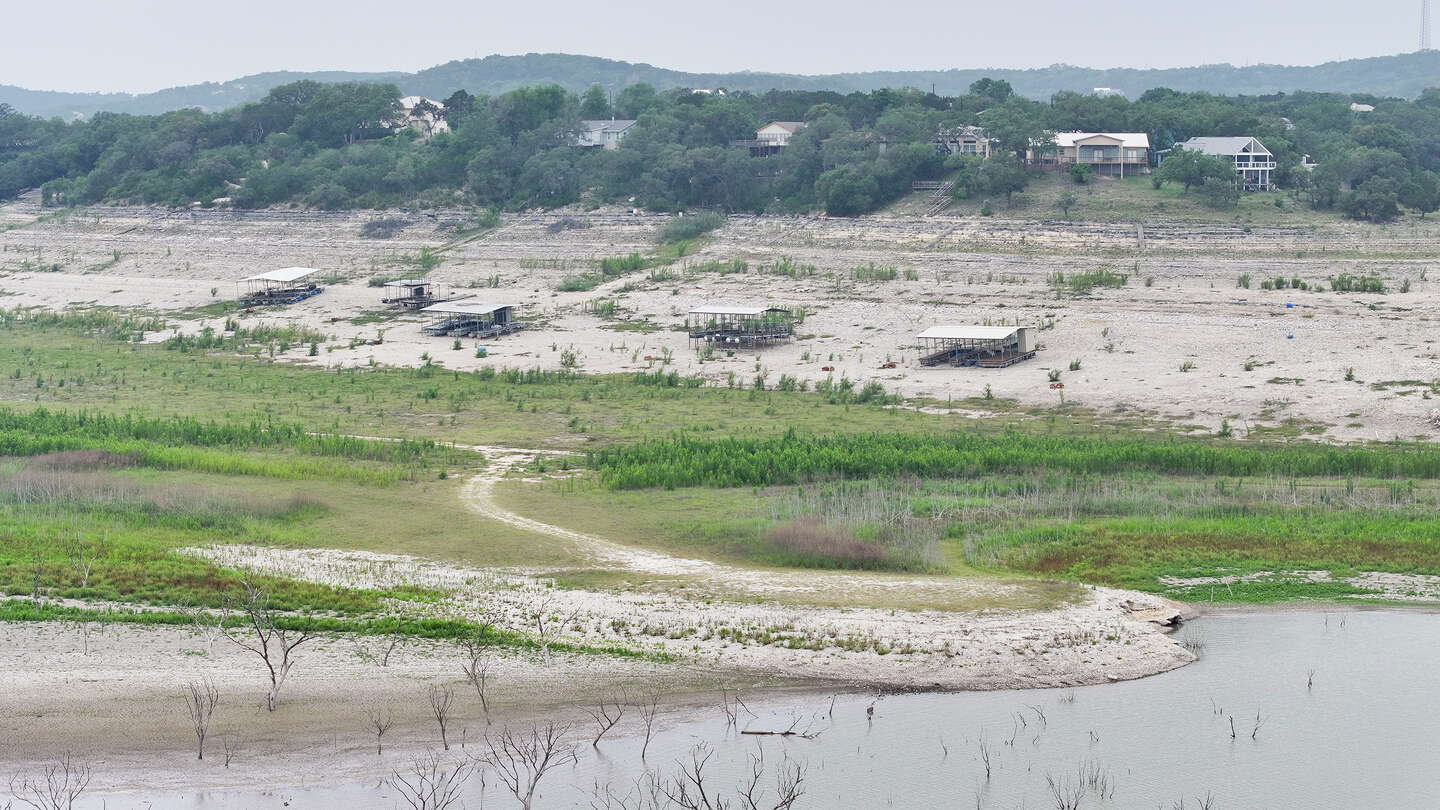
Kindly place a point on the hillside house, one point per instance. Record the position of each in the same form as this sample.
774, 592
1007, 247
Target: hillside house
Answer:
603, 134
962, 141
424, 115
1254, 164
1108, 153
771, 139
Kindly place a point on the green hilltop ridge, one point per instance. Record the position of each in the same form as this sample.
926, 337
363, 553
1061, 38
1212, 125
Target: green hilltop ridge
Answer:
1400, 75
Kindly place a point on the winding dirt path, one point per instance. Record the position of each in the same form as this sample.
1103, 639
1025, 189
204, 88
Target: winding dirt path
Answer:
479, 495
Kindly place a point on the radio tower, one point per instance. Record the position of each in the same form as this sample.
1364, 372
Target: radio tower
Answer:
1424, 25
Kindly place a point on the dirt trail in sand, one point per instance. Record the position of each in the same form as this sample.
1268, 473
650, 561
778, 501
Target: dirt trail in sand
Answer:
479, 495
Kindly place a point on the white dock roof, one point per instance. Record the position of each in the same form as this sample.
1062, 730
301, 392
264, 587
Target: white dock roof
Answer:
730, 309
469, 306
951, 332
283, 275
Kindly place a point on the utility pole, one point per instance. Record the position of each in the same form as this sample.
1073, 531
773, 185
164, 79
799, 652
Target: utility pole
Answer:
1424, 25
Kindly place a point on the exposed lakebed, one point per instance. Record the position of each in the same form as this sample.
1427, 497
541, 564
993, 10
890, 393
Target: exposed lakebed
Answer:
1344, 701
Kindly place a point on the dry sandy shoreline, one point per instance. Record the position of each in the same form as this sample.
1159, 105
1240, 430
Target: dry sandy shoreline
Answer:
1181, 305
112, 696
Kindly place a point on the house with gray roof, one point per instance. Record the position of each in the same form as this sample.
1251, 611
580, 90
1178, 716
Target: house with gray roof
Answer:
1254, 165
602, 134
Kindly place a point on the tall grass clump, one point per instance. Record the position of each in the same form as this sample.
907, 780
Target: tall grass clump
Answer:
583, 282
874, 272
720, 266
104, 324
1363, 284
237, 337
684, 228
683, 462
620, 265
177, 442
1082, 283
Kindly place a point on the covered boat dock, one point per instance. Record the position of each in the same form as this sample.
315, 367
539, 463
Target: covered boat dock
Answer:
984, 346
736, 325
284, 286
470, 317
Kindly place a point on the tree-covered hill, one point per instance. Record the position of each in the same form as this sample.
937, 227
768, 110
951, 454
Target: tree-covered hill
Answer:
346, 145
1402, 75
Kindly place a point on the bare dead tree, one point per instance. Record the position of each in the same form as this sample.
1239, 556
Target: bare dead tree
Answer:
37, 570
231, 742
522, 759
549, 622
82, 627
261, 635
606, 716
1259, 721
477, 671
442, 701
689, 790
82, 558
643, 795
789, 784
201, 697
56, 787
380, 722
1064, 795
380, 654
207, 624
985, 757
732, 708
649, 709
805, 732
431, 783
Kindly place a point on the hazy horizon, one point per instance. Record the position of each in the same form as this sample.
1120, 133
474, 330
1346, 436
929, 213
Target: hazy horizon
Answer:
172, 44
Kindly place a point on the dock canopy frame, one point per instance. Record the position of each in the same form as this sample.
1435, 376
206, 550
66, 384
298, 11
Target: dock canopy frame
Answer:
413, 293
286, 285
470, 317
739, 325
984, 346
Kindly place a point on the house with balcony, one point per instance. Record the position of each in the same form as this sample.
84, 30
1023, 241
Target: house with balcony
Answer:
1254, 165
770, 139
962, 141
602, 134
1109, 153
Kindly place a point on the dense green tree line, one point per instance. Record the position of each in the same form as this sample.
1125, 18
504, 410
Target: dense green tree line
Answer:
334, 146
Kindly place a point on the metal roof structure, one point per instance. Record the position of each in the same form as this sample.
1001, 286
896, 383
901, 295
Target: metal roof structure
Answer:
1131, 140
1226, 146
469, 306
953, 332
284, 275
408, 282
730, 309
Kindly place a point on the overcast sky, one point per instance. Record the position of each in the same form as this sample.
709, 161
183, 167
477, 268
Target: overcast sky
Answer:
146, 45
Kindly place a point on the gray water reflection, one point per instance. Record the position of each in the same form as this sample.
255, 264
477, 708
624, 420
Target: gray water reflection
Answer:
1365, 734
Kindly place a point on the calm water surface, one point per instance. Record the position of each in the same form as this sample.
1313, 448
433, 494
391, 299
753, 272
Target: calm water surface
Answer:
1365, 735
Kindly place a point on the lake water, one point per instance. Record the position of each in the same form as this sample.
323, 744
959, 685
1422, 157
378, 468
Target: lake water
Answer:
1363, 733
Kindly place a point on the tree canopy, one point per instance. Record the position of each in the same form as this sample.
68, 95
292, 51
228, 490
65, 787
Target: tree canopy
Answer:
339, 145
